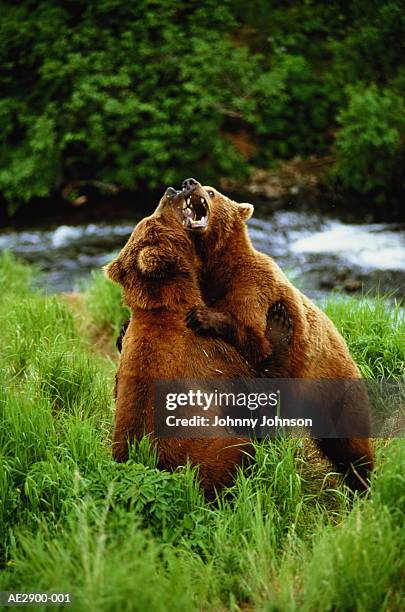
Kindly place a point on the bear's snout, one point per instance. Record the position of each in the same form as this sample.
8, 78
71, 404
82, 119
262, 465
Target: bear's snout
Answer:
189, 185
171, 192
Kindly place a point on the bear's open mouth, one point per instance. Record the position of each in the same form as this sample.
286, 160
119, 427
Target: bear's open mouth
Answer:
195, 212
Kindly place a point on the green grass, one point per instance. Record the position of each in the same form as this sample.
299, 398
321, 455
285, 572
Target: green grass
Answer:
286, 536
375, 332
104, 303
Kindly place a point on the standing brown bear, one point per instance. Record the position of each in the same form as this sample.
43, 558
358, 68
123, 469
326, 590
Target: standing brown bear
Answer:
158, 270
240, 284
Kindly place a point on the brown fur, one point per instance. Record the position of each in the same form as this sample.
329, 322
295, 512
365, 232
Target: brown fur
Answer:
157, 269
241, 284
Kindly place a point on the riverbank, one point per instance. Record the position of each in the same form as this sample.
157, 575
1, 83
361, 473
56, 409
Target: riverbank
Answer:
302, 185
321, 253
72, 520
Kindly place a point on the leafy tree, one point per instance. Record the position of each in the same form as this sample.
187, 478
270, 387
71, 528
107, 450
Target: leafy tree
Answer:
141, 94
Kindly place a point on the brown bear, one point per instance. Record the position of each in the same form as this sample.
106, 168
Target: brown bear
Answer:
239, 285
158, 270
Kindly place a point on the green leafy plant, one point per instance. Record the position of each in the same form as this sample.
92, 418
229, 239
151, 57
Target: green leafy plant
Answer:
370, 143
138, 95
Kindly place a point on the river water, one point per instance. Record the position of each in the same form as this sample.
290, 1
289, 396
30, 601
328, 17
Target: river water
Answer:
319, 254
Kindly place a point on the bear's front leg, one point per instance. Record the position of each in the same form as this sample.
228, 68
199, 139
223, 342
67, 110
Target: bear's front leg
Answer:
248, 341
208, 322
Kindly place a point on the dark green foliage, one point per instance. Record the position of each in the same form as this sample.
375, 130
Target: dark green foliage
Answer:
124, 92
142, 94
370, 148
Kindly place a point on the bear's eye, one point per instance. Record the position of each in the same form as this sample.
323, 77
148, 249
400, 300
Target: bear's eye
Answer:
211, 194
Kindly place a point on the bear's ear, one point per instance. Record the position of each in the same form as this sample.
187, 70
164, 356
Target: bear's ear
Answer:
156, 260
115, 271
245, 211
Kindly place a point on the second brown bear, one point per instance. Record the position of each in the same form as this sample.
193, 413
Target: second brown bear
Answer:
240, 284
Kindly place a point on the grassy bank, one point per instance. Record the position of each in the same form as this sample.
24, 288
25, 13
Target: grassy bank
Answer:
130, 537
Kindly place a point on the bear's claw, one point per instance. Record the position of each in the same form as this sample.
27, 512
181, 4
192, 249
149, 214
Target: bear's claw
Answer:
200, 321
279, 331
279, 324
121, 335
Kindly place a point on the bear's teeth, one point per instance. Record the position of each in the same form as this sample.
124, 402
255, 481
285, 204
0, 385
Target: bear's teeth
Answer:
202, 201
198, 222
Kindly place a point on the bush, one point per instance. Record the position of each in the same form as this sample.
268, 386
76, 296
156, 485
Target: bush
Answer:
133, 94
370, 143
138, 95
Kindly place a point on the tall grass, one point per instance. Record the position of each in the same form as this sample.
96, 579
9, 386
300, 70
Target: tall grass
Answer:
127, 536
375, 332
104, 303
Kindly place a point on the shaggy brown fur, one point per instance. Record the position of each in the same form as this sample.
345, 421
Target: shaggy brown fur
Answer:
158, 271
240, 284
